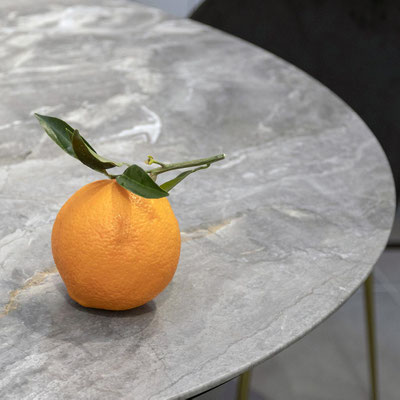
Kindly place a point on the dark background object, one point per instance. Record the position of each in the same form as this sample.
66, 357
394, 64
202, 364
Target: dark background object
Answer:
352, 47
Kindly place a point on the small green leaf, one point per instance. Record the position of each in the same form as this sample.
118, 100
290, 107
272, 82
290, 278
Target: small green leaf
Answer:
88, 156
167, 186
60, 132
136, 180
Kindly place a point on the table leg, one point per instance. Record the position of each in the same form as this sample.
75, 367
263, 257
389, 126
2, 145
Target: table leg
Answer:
243, 386
370, 319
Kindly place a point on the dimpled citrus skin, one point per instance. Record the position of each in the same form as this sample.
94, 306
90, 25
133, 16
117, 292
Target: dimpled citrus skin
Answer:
115, 250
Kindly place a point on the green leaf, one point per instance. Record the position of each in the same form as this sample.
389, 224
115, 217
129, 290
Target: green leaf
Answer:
136, 180
60, 132
88, 156
167, 186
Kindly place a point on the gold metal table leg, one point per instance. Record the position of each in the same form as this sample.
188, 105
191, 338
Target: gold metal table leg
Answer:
243, 386
370, 319
244, 379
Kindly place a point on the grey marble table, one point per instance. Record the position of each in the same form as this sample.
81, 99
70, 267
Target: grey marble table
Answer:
275, 238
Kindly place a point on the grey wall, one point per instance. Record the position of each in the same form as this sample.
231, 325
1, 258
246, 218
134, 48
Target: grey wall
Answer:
179, 8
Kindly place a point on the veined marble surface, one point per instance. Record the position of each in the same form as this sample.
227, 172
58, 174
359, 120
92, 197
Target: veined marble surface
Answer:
274, 239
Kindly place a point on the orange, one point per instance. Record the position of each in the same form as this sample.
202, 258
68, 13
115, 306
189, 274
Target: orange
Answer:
115, 250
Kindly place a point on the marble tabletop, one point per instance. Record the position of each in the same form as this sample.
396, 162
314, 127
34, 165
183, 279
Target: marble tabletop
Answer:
275, 238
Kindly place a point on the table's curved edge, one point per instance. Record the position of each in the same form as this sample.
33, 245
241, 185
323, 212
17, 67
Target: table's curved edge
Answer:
233, 374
